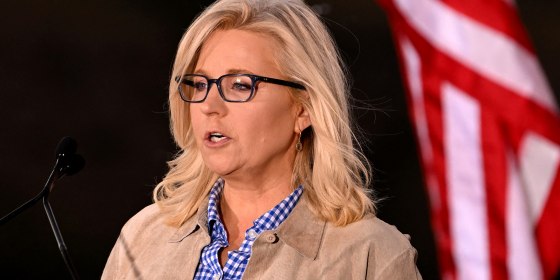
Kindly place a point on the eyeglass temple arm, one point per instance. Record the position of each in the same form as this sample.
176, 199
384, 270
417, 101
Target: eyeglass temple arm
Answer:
281, 82
180, 79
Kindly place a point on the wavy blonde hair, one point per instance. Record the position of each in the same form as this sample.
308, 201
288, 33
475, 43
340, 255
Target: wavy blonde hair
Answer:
333, 171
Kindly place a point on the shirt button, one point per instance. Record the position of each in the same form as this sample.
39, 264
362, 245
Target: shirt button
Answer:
216, 277
252, 234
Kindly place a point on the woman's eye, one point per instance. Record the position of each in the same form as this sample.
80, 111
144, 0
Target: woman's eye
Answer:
200, 86
241, 86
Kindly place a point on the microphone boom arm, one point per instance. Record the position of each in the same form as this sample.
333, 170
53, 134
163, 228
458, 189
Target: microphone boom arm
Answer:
34, 200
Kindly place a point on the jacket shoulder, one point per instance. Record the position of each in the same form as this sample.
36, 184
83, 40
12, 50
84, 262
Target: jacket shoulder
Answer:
373, 230
388, 252
146, 217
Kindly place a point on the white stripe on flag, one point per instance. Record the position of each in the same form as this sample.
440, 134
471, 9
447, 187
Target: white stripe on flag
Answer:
465, 184
522, 256
484, 50
539, 159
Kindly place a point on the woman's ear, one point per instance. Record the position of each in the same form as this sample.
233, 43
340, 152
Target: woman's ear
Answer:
303, 120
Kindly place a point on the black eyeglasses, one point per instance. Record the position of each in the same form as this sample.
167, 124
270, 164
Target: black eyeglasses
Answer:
194, 88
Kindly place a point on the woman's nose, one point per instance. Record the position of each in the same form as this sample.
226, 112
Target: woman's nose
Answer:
214, 104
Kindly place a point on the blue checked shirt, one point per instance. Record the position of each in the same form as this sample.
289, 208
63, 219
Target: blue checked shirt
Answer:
209, 265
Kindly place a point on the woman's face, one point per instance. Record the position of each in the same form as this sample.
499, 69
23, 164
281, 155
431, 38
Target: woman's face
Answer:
259, 135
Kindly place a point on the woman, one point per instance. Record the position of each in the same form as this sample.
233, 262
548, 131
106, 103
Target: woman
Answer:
268, 184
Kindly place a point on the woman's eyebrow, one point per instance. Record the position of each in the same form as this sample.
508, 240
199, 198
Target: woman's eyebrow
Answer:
199, 72
239, 71
230, 71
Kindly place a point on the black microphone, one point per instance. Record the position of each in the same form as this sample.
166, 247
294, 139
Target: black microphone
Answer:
67, 163
66, 146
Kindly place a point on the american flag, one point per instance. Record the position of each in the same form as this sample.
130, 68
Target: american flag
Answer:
488, 129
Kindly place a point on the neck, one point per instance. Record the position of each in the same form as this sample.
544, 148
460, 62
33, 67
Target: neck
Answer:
241, 204
246, 201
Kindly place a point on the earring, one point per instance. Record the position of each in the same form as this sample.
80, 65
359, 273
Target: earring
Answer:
299, 146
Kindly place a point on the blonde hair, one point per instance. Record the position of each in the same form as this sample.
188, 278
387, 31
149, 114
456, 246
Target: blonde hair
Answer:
334, 173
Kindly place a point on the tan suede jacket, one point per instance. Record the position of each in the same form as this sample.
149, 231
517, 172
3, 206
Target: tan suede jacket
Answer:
302, 247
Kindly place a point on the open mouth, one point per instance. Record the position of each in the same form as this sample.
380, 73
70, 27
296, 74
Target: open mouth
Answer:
216, 137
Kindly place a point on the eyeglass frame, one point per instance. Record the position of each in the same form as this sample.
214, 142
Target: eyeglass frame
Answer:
218, 81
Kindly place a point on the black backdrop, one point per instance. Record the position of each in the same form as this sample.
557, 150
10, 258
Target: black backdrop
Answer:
98, 71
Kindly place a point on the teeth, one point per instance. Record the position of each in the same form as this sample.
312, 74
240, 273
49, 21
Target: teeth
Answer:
216, 137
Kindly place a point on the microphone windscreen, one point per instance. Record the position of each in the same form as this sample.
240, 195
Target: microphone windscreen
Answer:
66, 146
75, 164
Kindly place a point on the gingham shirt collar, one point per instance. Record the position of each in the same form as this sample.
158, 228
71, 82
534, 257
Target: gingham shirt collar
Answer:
209, 265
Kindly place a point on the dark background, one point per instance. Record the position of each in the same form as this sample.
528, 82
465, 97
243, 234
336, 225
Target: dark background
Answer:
98, 71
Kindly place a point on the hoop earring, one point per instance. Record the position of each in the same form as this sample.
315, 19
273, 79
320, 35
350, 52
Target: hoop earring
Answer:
299, 145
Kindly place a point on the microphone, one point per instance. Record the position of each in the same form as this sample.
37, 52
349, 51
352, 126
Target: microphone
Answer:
66, 146
67, 163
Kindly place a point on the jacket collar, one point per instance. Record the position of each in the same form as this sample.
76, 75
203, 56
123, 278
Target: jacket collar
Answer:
193, 224
302, 230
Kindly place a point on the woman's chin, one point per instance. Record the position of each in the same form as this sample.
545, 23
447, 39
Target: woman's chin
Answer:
221, 170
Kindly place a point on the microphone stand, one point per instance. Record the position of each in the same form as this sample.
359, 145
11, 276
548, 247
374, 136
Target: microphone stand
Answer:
58, 235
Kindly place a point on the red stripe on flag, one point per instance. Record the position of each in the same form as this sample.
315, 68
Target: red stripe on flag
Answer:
495, 171
548, 232
435, 123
